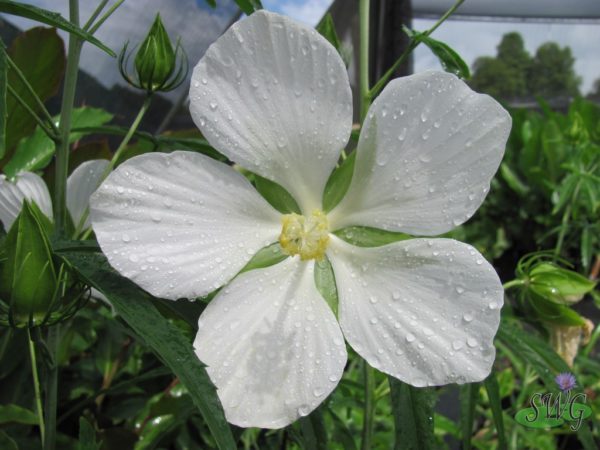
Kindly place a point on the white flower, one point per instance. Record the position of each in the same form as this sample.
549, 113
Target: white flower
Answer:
274, 97
29, 186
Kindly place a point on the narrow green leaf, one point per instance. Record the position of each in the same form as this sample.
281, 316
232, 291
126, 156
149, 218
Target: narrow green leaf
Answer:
50, 18
413, 416
6, 442
87, 436
36, 151
325, 282
450, 60
512, 180
136, 308
586, 248
277, 196
314, 431
493, 392
326, 28
341, 433
531, 348
468, 401
249, 6
338, 183
369, 237
17, 414
3, 110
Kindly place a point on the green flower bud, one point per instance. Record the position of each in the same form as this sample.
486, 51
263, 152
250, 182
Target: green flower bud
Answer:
557, 284
158, 65
28, 281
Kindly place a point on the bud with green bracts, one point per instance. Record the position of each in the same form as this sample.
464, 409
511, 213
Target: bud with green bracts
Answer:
158, 65
557, 284
34, 285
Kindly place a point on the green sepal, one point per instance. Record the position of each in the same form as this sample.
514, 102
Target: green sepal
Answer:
338, 183
277, 196
557, 284
28, 276
155, 60
265, 257
369, 237
325, 282
554, 313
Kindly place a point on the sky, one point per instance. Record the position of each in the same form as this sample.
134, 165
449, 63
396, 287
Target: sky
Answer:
199, 25
472, 39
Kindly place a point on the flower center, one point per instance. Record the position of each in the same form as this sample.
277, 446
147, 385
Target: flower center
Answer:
306, 236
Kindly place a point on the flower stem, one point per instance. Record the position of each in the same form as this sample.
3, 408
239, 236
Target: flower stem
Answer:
132, 129
367, 431
365, 97
36, 386
66, 109
412, 45
513, 283
51, 401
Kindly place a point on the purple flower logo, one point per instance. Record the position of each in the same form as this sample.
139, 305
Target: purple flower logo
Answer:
565, 381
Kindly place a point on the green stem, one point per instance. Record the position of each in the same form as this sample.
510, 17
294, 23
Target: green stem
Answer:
118, 153
513, 283
51, 401
106, 15
95, 14
411, 46
565, 221
367, 431
36, 386
32, 92
66, 109
41, 123
592, 343
364, 17
132, 129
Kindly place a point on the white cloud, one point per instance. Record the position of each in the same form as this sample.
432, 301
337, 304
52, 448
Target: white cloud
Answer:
473, 39
308, 11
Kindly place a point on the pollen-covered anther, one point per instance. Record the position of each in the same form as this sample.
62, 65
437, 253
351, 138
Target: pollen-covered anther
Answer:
307, 236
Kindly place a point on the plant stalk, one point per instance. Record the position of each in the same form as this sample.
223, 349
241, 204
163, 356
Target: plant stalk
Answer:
365, 97
66, 109
36, 386
367, 431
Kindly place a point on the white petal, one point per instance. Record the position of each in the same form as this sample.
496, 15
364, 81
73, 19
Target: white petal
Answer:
272, 345
274, 96
427, 153
82, 183
180, 224
27, 185
424, 310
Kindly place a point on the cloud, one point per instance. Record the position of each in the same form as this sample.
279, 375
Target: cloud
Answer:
308, 11
473, 39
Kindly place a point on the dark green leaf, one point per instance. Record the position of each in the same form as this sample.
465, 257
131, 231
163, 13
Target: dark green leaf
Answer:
50, 18
325, 282
40, 55
326, 28
493, 392
413, 416
531, 348
87, 436
3, 110
450, 60
313, 431
338, 183
168, 342
468, 400
36, 151
6, 442
512, 180
249, 6
17, 414
369, 237
212, 3
277, 196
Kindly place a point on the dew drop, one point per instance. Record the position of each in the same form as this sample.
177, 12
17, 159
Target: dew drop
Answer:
410, 338
457, 345
460, 289
472, 342
213, 105
467, 317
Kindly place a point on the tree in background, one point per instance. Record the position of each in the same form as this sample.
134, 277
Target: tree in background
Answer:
514, 74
